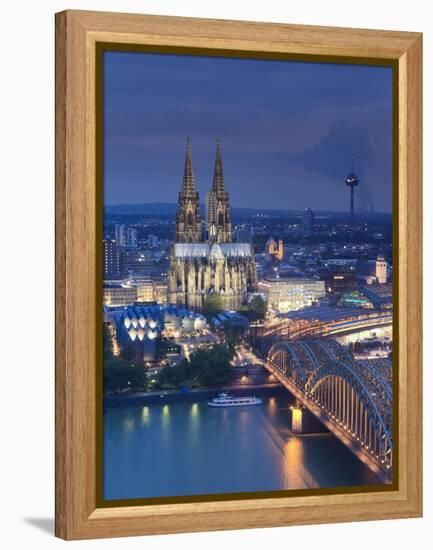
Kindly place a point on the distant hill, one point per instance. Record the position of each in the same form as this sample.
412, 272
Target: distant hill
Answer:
154, 208
169, 209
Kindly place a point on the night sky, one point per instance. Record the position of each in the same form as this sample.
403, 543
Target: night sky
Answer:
287, 130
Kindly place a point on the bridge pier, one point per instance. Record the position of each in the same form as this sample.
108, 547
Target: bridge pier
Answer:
302, 421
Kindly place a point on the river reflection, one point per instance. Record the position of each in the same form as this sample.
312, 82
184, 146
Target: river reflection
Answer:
187, 448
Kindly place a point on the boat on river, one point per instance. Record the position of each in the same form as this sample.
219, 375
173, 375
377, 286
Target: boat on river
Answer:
226, 400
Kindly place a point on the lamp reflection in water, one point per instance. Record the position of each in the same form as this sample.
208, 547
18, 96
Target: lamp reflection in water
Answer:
129, 424
145, 416
165, 423
194, 410
272, 406
195, 418
296, 474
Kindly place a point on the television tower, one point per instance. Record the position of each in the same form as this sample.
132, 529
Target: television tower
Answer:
352, 181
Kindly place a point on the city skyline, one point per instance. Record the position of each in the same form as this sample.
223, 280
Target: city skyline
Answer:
248, 104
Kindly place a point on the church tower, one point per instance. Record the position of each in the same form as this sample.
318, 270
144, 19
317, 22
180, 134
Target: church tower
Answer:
218, 218
381, 269
188, 220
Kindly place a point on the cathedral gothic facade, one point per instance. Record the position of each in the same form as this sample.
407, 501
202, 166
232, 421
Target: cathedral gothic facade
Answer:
200, 267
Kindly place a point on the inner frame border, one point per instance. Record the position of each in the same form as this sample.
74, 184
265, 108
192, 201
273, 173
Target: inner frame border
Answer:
100, 49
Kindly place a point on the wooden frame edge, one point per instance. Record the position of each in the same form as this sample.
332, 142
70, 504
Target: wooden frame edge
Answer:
76, 514
414, 142
60, 283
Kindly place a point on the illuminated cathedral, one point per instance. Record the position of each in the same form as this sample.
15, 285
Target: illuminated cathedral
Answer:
204, 260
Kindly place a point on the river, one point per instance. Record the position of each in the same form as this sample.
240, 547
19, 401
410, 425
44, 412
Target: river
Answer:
187, 448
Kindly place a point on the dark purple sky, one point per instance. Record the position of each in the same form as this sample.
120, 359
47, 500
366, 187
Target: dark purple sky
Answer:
287, 130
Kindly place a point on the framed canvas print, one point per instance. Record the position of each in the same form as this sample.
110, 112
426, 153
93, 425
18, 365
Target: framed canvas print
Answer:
238, 274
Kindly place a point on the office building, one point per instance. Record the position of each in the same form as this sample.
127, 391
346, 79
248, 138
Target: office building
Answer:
111, 259
131, 237
291, 293
118, 294
308, 222
152, 241
120, 235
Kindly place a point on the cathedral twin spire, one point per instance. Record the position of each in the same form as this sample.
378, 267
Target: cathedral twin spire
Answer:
218, 218
188, 217
188, 186
218, 176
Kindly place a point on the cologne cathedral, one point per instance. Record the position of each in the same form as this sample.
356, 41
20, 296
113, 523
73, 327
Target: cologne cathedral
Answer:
204, 260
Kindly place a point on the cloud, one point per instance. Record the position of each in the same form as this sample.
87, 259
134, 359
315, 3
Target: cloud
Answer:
326, 156
332, 155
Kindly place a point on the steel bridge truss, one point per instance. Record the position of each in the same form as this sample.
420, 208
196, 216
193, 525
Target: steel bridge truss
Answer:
356, 396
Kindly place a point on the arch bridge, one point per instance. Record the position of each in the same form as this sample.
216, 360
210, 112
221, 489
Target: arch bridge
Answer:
352, 398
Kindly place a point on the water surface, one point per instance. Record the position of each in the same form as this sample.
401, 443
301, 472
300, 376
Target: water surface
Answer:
188, 448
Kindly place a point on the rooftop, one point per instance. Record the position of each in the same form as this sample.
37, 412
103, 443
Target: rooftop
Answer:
379, 294
154, 311
203, 250
230, 316
291, 280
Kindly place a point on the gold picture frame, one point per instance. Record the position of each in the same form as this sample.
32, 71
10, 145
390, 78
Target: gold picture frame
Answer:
80, 38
